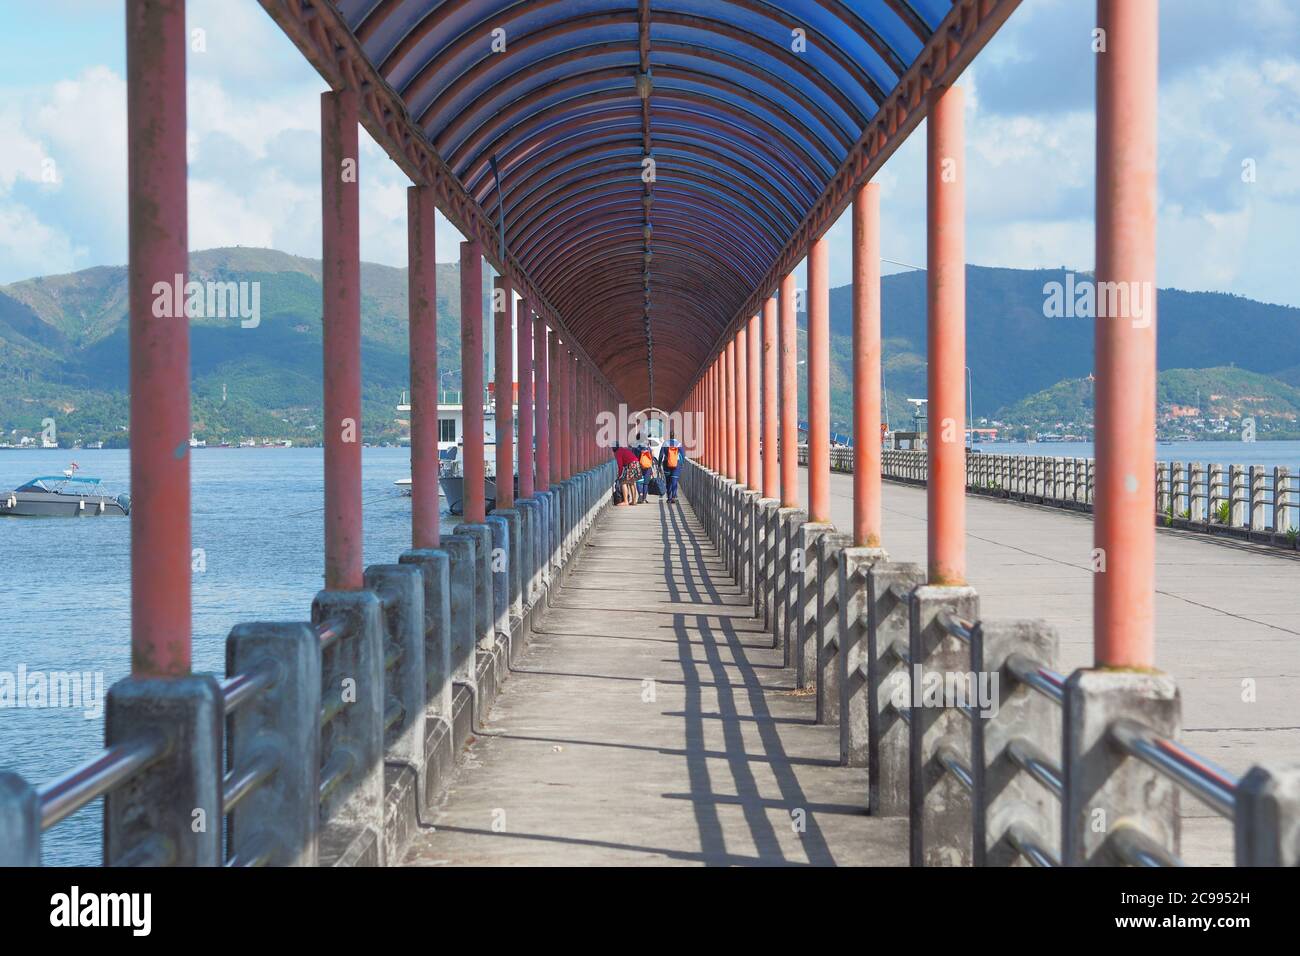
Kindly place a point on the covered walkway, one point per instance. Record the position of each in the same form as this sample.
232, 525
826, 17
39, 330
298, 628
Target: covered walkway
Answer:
650, 721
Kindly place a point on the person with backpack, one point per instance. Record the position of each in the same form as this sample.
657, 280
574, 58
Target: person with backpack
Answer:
646, 462
671, 456
628, 467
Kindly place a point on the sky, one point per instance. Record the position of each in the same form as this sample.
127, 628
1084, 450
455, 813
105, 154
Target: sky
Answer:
1229, 95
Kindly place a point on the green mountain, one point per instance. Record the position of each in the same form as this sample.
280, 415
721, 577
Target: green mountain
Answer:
1196, 402
63, 348
1014, 350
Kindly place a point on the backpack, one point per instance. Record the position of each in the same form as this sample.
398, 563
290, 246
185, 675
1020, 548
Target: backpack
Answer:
671, 457
647, 460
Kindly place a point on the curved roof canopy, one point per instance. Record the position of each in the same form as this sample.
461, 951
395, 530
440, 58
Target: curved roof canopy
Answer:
652, 158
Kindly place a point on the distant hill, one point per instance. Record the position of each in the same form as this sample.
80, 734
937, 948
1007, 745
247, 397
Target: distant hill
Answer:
63, 346
63, 349
1198, 402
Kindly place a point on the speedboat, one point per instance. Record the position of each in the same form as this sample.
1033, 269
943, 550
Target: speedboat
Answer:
62, 496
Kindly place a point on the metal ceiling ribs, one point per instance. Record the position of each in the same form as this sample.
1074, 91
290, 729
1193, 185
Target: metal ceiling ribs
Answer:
760, 117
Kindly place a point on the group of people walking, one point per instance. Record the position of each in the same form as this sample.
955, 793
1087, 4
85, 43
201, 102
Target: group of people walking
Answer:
640, 472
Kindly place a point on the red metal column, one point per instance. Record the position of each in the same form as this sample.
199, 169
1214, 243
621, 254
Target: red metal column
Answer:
740, 355
754, 381
1124, 593
524, 319
709, 413
819, 383
341, 268
789, 413
160, 344
866, 367
471, 373
541, 353
771, 468
572, 416
503, 307
422, 280
946, 373
559, 457
729, 399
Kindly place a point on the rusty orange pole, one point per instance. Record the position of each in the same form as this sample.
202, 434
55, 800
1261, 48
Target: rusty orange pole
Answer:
788, 415
819, 383
503, 406
160, 344
946, 332
729, 398
711, 417
571, 415
754, 381
555, 369
542, 407
866, 367
771, 468
524, 320
1125, 339
341, 321
740, 355
471, 372
422, 298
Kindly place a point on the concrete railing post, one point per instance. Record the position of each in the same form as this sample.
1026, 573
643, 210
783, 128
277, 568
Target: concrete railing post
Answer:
435, 571
851, 664
889, 684
500, 565
20, 822
400, 589
793, 569
1257, 498
168, 814
352, 736
1196, 492
765, 557
1281, 499
1105, 788
1238, 495
1267, 821
940, 806
827, 645
464, 593
278, 821
485, 608
808, 597
1009, 803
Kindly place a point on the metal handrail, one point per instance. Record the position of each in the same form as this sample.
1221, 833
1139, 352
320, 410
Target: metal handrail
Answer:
240, 689
1037, 677
107, 770
331, 631
952, 761
239, 783
958, 627
1137, 849
1211, 784
1027, 845
1037, 764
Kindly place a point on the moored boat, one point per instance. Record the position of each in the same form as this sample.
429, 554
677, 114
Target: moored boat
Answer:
62, 496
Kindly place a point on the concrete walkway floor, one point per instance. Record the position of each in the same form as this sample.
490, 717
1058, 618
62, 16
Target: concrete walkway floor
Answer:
651, 722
